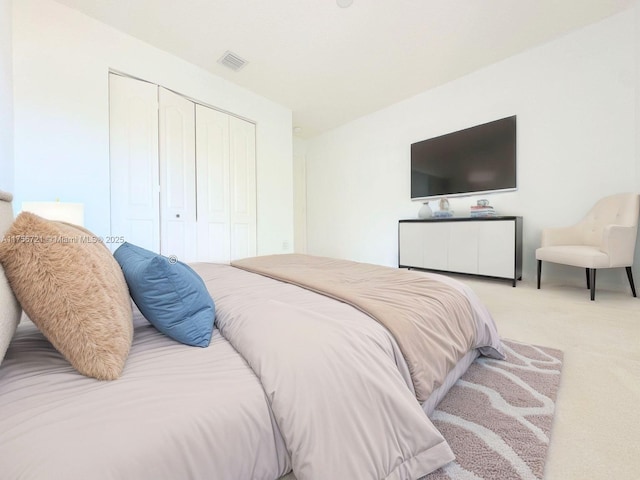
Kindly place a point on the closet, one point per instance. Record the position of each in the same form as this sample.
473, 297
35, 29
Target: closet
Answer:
183, 175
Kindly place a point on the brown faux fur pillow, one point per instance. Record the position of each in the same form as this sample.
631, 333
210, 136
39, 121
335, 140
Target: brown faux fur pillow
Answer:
73, 289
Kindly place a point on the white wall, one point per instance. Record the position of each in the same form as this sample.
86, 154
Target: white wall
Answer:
575, 99
6, 98
61, 64
299, 196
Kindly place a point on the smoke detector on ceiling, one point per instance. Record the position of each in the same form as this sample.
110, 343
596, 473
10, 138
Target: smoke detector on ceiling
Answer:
344, 3
232, 61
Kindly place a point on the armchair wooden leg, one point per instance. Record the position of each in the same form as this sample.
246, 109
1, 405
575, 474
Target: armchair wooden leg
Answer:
539, 272
592, 283
630, 277
588, 283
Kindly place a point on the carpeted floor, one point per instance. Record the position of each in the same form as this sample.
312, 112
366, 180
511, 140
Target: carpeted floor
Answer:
497, 418
596, 429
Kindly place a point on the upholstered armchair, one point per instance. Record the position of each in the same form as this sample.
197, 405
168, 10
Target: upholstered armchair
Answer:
604, 238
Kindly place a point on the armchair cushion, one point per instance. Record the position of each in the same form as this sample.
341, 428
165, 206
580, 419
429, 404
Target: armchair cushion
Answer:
576, 255
561, 236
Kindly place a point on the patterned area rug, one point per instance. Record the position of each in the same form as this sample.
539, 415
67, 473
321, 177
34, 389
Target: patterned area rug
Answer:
497, 417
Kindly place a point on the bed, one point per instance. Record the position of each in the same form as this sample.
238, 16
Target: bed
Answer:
293, 382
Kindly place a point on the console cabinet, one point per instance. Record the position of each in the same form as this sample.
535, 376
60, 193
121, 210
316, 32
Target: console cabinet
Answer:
490, 247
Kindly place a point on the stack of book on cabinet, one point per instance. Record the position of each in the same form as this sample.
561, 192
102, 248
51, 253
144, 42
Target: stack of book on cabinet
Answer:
482, 211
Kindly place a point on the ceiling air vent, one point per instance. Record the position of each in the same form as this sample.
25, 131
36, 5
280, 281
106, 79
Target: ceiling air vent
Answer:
231, 60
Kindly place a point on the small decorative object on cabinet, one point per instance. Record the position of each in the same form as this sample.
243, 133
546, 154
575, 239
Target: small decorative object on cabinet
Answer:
425, 211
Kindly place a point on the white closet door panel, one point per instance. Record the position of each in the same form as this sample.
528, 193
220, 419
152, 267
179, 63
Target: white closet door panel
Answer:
134, 175
174, 242
212, 162
214, 245
177, 157
141, 231
242, 236
242, 137
177, 176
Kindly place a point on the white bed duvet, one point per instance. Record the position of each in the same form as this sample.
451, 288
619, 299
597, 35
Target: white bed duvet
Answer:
292, 379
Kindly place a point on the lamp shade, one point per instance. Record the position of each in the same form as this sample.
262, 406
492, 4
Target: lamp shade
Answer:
60, 211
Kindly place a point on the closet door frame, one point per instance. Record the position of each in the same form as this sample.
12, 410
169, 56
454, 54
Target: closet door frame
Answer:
180, 222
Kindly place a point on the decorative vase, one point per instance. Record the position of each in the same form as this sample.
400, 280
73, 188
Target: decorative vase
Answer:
425, 211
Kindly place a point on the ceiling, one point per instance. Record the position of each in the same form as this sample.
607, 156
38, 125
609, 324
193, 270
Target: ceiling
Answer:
330, 65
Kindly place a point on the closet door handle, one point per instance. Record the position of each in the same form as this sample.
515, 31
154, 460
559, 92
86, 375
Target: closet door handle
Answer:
177, 215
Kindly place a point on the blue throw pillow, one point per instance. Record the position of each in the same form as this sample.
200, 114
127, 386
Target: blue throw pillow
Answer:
170, 295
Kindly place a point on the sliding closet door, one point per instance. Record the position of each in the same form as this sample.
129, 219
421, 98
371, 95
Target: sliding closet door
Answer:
183, 176
133, 143
177, 176
242, 159
212, 164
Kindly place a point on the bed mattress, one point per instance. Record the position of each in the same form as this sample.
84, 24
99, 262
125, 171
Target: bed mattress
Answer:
176, 412
201, 413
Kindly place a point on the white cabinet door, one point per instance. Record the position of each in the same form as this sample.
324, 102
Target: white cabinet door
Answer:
497, 248
212, 164
411, 240
134, 176
463, 247
436, 245
177, 176
242, 160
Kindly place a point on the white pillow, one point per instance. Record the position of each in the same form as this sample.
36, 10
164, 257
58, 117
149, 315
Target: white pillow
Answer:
10, 310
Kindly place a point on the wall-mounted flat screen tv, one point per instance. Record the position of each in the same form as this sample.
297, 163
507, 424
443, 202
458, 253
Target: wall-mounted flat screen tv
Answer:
476, 160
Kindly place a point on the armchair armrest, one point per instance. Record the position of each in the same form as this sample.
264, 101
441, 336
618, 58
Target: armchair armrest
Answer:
619, 242
561, 236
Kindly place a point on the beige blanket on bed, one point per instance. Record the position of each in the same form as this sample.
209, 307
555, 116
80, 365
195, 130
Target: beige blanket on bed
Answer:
431, 321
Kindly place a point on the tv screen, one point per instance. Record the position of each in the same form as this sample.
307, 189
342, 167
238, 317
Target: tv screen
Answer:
475, 160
